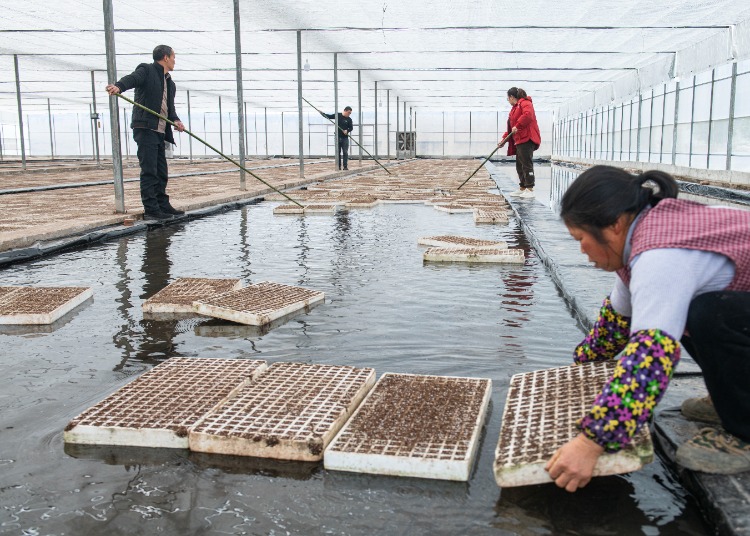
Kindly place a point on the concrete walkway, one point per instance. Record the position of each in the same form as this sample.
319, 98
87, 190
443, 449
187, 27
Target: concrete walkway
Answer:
725, 500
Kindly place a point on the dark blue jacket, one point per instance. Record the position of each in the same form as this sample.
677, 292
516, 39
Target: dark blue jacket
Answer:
148, 81
345, 123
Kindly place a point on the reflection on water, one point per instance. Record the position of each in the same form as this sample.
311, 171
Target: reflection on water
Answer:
384, 308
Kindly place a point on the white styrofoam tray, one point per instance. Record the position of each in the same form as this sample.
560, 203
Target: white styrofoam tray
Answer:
541, 414
39, 305
415, 426
158, 408
291, 412
258, 304
465, 254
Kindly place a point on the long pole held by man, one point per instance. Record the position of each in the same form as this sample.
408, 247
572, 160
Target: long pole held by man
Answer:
154, 89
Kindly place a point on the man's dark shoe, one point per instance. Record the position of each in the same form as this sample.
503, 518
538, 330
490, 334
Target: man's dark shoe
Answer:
153, 216
346, 168
171, 210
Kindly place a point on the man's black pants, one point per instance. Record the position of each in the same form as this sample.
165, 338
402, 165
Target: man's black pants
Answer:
154, 172
343, 148
525, 163
718, 338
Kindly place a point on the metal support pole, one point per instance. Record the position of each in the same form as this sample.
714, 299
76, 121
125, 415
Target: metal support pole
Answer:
240, 92
663, 113
265, 115
710, 119
375, 142
676, 117
283, 147
638, 137
732, 100
221, 128
190, 126
622, 126
20, 111
443, 133
692, 123
397, 126
247, 138
359, 108
93, 153
388, 123
336, 110
114, 112
51, 134
299, 106
650, 124
94, 120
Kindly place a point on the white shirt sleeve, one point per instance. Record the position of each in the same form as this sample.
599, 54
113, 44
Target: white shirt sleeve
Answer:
663, 282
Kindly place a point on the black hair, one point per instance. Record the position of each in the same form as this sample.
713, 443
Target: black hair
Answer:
161, 51
517, 93
601, 194
348, 109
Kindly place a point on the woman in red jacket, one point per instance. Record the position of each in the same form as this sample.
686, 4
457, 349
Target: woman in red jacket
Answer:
524, 141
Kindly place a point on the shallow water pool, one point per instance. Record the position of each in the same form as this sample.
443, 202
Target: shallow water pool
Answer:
384, 308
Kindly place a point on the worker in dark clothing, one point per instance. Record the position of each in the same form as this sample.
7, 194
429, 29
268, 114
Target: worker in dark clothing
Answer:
155, 90
345, 127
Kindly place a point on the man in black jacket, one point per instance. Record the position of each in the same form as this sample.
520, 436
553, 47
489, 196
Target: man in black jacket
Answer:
155, 90
345, 127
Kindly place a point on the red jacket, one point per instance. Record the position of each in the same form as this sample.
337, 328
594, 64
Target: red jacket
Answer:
522, 117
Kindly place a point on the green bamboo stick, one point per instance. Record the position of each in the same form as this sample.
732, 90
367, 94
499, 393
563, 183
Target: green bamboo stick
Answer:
243, 168
341, 129
485, 160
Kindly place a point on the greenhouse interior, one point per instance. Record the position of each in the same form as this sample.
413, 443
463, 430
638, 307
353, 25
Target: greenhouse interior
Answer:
145, 323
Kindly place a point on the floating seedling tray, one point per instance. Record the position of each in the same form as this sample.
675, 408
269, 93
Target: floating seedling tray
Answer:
417, 426
39, 305
541, 415
258, 304
449, 241
490, 216
290, 413
156, 409
501, 256
178, 296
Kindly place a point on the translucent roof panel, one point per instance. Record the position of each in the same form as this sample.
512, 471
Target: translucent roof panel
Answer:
439, 55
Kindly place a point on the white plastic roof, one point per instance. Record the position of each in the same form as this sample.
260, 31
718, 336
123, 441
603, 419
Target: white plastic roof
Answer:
437, 54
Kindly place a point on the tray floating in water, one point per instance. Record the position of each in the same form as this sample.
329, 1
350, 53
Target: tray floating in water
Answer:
157, 408
178, 296
39, 305
541, 414
490, 216
449, 241
307, 209
466, 254
362, 202
416, 426
454, 208
258, 304
290, 413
